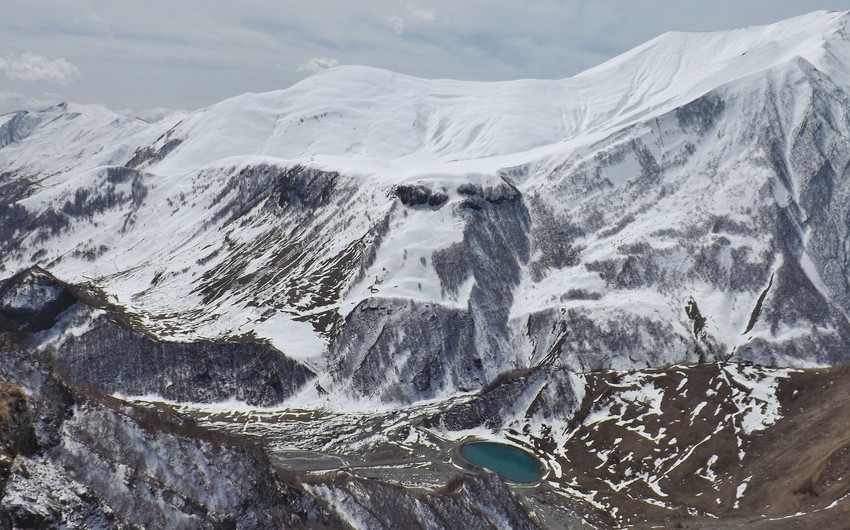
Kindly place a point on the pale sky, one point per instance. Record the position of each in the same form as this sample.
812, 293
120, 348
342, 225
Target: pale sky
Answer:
191, 53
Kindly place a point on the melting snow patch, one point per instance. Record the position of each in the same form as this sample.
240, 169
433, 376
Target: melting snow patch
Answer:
754, 394
648, 395
709, 473
697, 410
599, 416
740, 492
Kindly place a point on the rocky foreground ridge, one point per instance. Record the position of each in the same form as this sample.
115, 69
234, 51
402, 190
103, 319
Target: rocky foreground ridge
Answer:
711, 445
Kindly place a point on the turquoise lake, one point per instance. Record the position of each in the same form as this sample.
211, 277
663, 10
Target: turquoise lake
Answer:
508, 461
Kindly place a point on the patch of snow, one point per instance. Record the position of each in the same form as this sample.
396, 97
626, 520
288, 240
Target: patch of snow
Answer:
739, 492
758, 404
697, 410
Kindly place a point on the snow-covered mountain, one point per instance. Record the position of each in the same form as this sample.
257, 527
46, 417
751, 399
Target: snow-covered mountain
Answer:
410, 238
396, 263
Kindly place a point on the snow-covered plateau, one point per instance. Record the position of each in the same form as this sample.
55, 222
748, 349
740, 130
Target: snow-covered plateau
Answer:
427, 260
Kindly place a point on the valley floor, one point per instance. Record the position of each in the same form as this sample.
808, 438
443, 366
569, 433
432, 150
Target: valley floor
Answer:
657, 447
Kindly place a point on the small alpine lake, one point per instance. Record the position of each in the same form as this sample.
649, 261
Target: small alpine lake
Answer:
508, 461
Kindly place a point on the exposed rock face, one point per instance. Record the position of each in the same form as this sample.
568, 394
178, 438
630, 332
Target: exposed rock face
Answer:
540, 395
32, 301
17, 435
419, 194
18, 127
408, 349
306, 188
432, 350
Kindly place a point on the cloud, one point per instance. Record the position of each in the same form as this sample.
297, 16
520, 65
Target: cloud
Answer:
396, 23
13, 101
421, 14
32, 67
318, 64
414, 15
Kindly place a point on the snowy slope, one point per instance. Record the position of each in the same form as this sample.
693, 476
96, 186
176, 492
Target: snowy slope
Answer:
366, 113
412, 238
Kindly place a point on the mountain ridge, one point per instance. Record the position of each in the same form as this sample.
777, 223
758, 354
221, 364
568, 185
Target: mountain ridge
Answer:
256, 215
